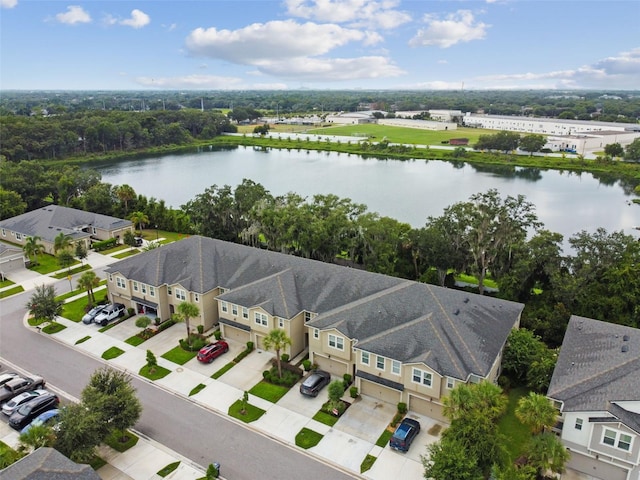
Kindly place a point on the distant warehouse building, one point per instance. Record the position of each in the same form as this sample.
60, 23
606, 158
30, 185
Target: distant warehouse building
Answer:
419, 124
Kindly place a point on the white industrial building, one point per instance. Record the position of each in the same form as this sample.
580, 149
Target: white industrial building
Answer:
420, 124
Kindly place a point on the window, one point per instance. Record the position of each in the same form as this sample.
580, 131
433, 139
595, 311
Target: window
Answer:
280, 322
364, 358
624, 442
222, 290
578, 424
379, 362
234, 309
196, 297
245, 312
152, 291
261, 319
422, 377
336, 342
609, 437
135, 286
169, 291
18, 236
450, 383
120, 282
316, 333
395, 367
180, 294
308, 316
95, 230
143, 288
4, 234
110, 278
224, 306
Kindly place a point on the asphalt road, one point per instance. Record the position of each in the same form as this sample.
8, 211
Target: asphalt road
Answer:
198, 434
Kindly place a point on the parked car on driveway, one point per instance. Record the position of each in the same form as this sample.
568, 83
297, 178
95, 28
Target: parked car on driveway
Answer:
45, 418
91, 315
209, 353
404, 435
30, 410
18, 385
9, 407
6, 377
110, 313
315, 382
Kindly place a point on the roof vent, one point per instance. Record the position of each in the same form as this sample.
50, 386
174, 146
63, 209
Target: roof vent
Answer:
457, 311
625, 338
625, 348
466, 300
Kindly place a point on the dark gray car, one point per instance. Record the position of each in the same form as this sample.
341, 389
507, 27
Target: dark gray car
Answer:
315, 382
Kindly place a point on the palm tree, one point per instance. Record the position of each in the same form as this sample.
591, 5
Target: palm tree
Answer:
139, 218
536, 412
186, 311
546, 452
61, 242
37, 436
33, 247
89, 280
277, 339
125, 193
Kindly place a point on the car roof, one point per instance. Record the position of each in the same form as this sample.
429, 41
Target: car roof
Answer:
48, 414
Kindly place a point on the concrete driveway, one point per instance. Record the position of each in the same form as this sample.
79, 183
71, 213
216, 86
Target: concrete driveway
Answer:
366, 418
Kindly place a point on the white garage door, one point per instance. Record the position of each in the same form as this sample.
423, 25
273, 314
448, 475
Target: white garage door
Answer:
233, 333
379, 392
425, 407
332, 366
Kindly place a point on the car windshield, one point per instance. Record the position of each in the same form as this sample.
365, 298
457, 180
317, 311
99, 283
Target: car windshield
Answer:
24, 409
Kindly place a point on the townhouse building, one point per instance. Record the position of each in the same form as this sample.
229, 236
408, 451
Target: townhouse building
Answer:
401, 340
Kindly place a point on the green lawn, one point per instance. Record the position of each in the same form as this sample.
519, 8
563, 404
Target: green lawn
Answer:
11, 291
116, 441
223, 370
178, 355
151, 235
325, 418
117, 248
307, 438
367, 463
126, 254
112, 352
163, 472
53, 327
76, 309
135, 340
384, 438
46, 264
488, 282
517, 434
412, 136
6, 282
252, 414
268, 391
83, 339
72, 271
196, 389
158, 372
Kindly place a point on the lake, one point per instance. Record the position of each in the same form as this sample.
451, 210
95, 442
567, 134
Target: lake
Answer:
409, 191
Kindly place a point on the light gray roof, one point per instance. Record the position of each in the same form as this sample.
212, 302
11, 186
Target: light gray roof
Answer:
593, 368
48, 464
48, 222
453, 332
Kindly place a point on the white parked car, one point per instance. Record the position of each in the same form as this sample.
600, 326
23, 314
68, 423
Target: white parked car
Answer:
109, 313
9, 407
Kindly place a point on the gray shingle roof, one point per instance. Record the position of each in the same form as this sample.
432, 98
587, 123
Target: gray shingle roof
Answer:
48, 222
593, 370
455, 333
47, 464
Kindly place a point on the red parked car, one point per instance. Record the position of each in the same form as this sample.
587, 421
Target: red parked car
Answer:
212, 351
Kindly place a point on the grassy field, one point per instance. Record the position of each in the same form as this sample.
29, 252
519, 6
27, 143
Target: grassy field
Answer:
412, 136
517, 434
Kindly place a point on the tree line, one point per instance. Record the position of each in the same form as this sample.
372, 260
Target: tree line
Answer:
101, 132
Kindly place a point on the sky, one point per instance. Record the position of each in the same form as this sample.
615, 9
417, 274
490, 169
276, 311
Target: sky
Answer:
319, 45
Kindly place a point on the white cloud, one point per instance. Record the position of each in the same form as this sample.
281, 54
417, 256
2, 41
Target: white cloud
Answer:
8, 3
434, 85
275, 40
74, 14
138, 19
622, 70
457, 27
371, 13
334, 69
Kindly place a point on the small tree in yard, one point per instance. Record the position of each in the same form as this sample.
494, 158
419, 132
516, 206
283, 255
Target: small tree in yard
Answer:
244, 402
277, 340
43, 304
65, 259
336, 390
81, 251
186, 311
536, 412
80, 432
143, 322
152, 361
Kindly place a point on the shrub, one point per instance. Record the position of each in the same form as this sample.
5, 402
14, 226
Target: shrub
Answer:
284, 357
504, 382
130, 311
217, 334
347, 379
200, 329
164, 325
306, 364
396, 419
104, 244
402, 408
250, 346
266, 375
353, 391
197, 342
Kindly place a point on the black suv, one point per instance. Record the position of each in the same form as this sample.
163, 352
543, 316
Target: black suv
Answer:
314, 383
30, 410
404, 435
